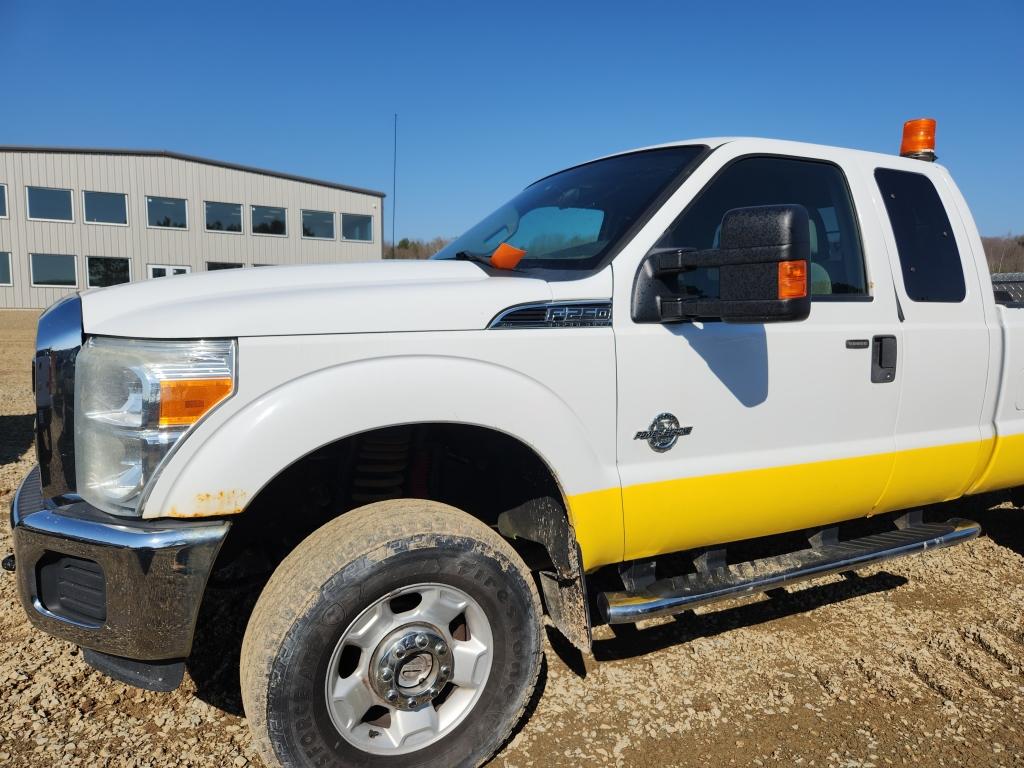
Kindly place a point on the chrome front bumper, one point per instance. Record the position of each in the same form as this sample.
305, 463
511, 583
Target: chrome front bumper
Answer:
125, 587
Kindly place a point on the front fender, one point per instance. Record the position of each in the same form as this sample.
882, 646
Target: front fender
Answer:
232, 455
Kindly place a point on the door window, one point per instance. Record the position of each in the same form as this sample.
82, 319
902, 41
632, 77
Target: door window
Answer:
837, 261
168, 270
929, 258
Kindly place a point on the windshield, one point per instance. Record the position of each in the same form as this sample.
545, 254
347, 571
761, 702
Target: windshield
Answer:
572, 219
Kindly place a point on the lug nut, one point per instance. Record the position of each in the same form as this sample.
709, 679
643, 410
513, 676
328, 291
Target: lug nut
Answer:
421, 641
399, 653
391, 695
445, 671
386, 674
410, 702
440, 648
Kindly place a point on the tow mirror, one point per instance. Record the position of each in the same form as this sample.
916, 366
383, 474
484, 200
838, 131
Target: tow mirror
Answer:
763, 265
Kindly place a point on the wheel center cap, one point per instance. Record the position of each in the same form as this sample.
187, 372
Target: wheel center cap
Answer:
411, 666
415, 670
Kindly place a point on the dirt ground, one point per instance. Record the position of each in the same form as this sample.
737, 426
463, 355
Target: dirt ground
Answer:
915, 663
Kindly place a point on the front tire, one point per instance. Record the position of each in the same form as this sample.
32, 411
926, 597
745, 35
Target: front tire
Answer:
402, 633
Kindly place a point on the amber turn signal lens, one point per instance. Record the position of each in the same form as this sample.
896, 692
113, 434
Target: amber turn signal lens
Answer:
918, 138
183, 401
792, 279
506, 256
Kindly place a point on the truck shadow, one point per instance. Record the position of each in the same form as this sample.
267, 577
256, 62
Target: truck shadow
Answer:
737, 354
16, 435
216, 651
1004, 525
631, 642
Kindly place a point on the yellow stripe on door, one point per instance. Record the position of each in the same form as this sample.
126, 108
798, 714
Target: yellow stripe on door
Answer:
691, 512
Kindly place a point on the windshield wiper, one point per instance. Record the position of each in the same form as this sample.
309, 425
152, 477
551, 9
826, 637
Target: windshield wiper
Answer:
505, 257
467, 256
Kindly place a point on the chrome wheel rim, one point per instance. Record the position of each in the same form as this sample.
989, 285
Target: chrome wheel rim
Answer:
409, 669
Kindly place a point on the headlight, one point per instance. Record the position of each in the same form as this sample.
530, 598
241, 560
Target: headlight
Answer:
134, 400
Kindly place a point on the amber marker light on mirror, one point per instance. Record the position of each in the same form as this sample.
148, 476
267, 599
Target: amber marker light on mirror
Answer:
919, 139
792, 279
184, 401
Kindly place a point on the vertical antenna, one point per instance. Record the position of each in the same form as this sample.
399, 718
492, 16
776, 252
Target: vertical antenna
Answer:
394, 186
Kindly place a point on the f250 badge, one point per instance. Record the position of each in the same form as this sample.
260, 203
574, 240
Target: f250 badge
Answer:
663, 432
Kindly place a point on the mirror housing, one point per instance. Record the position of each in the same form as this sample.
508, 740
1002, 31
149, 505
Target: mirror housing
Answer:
763, 263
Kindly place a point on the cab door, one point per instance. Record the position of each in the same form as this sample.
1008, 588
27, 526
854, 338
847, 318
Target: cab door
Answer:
942, 441
730, 431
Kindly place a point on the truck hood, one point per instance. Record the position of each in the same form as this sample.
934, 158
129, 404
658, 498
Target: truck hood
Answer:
367, 297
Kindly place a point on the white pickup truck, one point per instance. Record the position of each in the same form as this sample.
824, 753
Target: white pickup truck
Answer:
661, 352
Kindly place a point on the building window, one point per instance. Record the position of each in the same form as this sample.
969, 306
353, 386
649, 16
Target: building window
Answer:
104, 271
167, 212
3, 201
53, 270
106, 208
267, 220
168, 270
318, 224
5, 268
224, 217
46, 204
212, 266
355, 226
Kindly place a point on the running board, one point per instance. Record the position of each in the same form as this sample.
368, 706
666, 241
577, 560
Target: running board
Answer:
682, 593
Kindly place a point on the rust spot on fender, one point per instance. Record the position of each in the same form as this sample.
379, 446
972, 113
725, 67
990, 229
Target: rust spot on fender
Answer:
228, 502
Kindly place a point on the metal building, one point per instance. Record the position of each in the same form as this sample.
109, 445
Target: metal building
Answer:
72, 219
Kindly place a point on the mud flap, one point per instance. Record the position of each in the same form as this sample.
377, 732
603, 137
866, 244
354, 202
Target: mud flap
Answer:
566, 601
544, 521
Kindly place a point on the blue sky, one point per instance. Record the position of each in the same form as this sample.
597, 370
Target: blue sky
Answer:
492, 95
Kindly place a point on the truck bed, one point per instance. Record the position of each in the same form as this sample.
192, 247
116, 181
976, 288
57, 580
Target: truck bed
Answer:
1009, 289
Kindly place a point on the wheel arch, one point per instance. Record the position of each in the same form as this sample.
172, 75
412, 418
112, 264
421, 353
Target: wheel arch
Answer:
289, 423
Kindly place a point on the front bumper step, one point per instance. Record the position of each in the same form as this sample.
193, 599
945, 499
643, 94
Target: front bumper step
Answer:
667, 597
161, 676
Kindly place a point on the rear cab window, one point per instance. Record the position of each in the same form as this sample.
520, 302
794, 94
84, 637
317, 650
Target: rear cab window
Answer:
928, 254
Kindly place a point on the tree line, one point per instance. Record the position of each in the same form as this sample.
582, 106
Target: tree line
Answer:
1004, 254
407, 248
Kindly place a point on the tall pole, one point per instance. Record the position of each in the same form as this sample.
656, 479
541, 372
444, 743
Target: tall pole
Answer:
394, 186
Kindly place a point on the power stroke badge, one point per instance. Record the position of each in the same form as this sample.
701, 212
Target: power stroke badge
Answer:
663, 432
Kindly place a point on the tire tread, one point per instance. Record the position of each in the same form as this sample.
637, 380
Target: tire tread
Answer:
359, 533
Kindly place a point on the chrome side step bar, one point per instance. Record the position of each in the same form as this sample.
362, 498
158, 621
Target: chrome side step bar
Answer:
682, 593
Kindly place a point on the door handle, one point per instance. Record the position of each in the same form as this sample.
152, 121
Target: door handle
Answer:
883, 359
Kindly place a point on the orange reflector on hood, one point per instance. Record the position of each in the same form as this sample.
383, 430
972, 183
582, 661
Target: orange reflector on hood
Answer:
184, 401
506, 256
792, 279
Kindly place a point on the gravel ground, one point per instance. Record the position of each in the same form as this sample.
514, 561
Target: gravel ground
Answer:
916, 663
